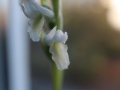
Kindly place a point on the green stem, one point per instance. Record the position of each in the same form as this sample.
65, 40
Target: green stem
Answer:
57, 74
57, 6
57, 78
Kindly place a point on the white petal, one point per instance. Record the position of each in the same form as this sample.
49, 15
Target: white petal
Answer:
29, 11
48, 38
60, 55
55, 36
44, 11
35, 32
32, 9
60, 36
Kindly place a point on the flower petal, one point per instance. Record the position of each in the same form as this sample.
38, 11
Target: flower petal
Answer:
43, 10
29, 11
55, 36
35, 29
32, 9
60, 36
48, 38
60, 55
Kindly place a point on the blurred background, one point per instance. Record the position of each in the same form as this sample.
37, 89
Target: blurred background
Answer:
93, 28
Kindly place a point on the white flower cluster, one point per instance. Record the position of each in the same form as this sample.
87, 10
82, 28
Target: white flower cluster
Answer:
55, 38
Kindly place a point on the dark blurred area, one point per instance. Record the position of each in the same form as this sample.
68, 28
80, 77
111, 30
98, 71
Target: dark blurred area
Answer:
94, 50
94, 46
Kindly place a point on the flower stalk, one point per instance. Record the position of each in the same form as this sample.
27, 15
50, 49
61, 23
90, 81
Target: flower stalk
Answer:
57, 6
57, 74
57, 78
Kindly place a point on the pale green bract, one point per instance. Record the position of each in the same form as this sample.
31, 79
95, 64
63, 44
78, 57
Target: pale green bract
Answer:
35, 14
56, 40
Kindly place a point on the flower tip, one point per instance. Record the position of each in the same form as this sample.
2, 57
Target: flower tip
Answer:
34, 38
64, 67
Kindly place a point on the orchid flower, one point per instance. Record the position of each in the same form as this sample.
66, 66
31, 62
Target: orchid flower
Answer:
56, 40
35, 14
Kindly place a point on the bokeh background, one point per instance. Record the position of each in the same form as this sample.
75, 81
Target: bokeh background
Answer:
93, 28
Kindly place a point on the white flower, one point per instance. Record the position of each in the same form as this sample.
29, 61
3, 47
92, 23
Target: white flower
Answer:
56, 40
35, 14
